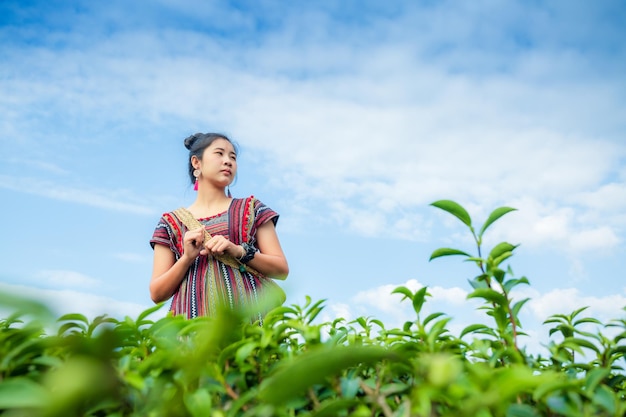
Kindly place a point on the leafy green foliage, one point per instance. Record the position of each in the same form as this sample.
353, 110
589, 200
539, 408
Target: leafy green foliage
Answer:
493, 284
293, 364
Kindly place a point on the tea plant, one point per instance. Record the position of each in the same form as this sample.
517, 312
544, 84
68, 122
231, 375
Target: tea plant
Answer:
294, 365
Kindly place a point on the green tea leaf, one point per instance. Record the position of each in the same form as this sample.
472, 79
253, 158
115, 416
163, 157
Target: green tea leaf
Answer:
22, 393
521, 410
419, 298
438, 253
335, 407
514, 282
474, 328
198, 402
500, 249
498, 274
578, 311
576, 342
478, 282
350, 387
404, 291
517, 306
313, 311
489, 295
401, 333
495, 215
564, 406
245, 351
550, 387
312, 367
606, 399
506, 255
393, 388
431, 317
587, 320
147, 312
72, 326
99, 321
594, 377
362, 321
455, 209
378, 323
74, 317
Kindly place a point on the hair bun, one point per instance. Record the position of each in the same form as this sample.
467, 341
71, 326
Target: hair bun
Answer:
190, 141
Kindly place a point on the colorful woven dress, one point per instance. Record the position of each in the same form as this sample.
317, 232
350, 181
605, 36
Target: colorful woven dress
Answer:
210, 283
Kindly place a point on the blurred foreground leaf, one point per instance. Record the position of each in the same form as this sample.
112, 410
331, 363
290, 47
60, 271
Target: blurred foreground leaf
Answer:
295, 376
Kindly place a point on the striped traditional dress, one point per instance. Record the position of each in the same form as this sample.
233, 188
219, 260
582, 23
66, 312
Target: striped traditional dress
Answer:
210, 283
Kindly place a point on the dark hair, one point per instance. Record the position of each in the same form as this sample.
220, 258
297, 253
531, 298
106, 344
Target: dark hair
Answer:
198, 142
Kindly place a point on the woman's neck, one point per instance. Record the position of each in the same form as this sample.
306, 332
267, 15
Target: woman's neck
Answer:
209, 203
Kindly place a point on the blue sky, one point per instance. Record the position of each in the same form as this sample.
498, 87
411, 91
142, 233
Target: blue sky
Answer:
352, 117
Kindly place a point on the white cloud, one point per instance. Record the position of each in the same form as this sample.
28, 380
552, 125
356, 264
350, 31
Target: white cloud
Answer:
607, 197
565, 301
66, 279
553, 223
106, 199
70, 301
598, 238
454, 296
335, 311
381, 300
354, 157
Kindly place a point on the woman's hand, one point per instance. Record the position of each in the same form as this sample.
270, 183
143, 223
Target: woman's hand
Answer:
167, 271
193, 243
218, 245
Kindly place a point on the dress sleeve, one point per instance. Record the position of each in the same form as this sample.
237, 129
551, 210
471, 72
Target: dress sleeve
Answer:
167, 233
262, 214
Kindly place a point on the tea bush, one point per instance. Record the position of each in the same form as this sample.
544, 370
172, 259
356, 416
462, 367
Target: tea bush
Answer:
292, 364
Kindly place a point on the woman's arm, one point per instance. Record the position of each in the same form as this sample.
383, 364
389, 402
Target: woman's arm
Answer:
167, 272
271, 260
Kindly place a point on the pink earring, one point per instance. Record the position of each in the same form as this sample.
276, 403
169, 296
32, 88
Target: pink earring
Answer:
196, 173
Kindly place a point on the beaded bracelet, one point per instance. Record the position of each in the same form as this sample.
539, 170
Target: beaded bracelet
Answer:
249, 252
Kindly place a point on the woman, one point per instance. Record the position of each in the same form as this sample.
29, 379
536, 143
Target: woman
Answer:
236, 262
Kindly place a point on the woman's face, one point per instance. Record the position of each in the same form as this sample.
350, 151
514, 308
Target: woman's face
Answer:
219, 162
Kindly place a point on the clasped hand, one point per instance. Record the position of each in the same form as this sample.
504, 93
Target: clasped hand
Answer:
194, 244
